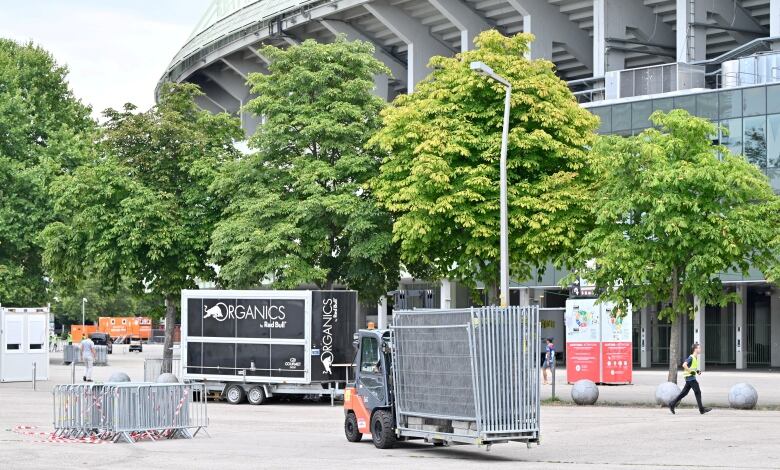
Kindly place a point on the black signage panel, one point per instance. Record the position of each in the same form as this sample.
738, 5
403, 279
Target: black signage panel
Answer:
334, 322
219, 319
258, 355
287, 360
219, 359
194, 358
252, 318
194, 317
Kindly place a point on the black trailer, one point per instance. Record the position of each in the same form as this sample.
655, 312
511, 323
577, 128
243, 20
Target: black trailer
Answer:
255, 344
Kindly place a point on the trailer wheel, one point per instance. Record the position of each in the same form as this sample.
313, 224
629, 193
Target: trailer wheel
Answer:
256, 395
351, 429
382, 431
235, 394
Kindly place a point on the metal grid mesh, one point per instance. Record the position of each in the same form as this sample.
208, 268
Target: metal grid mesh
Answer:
477, 365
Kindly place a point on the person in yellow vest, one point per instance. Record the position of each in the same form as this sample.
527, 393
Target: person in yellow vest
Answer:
691, 370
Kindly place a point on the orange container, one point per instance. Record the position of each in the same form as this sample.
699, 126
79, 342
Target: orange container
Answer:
132, 327
78, 332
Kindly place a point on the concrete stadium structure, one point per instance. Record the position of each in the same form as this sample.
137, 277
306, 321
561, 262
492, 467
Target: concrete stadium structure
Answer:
622, 59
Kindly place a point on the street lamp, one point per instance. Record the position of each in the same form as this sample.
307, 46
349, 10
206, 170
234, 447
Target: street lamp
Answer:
482, 69
83, 301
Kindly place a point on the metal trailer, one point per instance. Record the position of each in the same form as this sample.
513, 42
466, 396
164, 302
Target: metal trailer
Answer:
254, 344
466, 376
24, 344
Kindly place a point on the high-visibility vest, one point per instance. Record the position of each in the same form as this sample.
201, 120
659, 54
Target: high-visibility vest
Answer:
692, 367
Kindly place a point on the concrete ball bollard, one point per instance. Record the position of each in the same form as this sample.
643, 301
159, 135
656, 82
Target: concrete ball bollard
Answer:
743, 396
167, 378
666, 392
118, 377
584, 392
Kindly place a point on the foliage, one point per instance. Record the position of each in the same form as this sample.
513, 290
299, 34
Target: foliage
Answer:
299, 208
441, 174
44, 132
141, 212
671, 216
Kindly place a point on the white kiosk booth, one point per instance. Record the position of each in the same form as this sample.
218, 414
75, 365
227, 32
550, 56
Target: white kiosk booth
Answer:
24, 344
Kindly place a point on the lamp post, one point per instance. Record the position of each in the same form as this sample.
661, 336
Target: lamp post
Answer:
483, 69
83, 301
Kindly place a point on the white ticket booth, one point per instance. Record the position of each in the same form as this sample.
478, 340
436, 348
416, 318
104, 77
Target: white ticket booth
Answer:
24, 344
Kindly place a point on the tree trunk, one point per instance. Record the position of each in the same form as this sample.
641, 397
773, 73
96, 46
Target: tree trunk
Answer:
170, 324
676, 331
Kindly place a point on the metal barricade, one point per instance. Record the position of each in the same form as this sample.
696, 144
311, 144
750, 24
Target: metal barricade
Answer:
101, 356
469, 373
72, 353
128, 411
153, 367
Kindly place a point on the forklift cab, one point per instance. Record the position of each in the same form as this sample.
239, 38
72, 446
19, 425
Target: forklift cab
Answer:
368, 403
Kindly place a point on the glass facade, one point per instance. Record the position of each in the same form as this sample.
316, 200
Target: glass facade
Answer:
750, 118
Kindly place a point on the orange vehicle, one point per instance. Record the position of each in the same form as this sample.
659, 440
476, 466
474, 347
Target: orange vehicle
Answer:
126, 327
78, 332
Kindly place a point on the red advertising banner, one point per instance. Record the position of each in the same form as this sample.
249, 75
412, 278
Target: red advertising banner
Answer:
582, 361
616, 362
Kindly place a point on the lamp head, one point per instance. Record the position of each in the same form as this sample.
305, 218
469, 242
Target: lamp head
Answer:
481, 67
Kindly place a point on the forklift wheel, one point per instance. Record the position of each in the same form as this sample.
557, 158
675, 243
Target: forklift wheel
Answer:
351, 428
382, 431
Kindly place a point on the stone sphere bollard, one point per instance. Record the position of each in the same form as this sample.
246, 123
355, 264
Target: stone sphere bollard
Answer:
584, 392
167, 378
119, 377
666, 392
743, 396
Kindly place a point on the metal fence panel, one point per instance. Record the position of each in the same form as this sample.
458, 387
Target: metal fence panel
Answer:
128, 411
472, 372
72, 353
153, 367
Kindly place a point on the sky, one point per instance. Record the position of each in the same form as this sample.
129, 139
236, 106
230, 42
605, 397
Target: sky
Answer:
116, 50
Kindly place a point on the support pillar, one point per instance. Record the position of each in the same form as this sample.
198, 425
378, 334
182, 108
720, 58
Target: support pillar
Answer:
740, 323
774, 22
464, 18
691, 40
699, 309
646, 337
774, 334
448, 294
524, 296
381, 313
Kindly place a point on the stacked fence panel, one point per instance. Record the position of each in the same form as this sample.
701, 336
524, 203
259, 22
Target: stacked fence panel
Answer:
475, 372
126, 411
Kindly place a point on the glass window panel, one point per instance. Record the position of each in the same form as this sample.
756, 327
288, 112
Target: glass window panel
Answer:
730, 104
755, 141
664, 105
687, 103
640, 114
773, 140
774, 178
731, 135
605, 116
621, 117
754, 101
707, 106
773, 99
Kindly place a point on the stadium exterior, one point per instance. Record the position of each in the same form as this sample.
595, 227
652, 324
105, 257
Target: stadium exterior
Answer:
623, 59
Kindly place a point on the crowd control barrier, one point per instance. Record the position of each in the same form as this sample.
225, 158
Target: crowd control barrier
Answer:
125, 412
72, 353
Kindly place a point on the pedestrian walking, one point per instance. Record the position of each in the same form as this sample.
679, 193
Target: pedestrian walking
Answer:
549, 357
88, 355
691, 370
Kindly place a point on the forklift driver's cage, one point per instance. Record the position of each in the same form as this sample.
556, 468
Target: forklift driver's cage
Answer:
468, 375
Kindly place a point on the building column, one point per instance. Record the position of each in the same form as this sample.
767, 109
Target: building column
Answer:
524, 296
646, 337
381, 312
691, 40
740, 323
699, 309
774, 318
464, 18
448, 294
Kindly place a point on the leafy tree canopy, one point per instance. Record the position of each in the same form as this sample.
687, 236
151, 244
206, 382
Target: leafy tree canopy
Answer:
441, 174
141, 212
44, 132
671, 216
300, 209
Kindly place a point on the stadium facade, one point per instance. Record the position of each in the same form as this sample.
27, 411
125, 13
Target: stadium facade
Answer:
623, 59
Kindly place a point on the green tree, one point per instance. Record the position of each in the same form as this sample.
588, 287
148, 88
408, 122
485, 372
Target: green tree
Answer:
103, 301
441, 174
671, 216
141, 212
300, 210
44, 132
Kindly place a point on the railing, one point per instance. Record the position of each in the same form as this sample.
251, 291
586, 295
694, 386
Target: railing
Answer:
153, 367
72, 354
127, 411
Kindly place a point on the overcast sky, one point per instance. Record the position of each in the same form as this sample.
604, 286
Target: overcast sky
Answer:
116, 50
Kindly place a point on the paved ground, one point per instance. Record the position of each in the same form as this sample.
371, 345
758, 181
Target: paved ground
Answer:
306, 435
